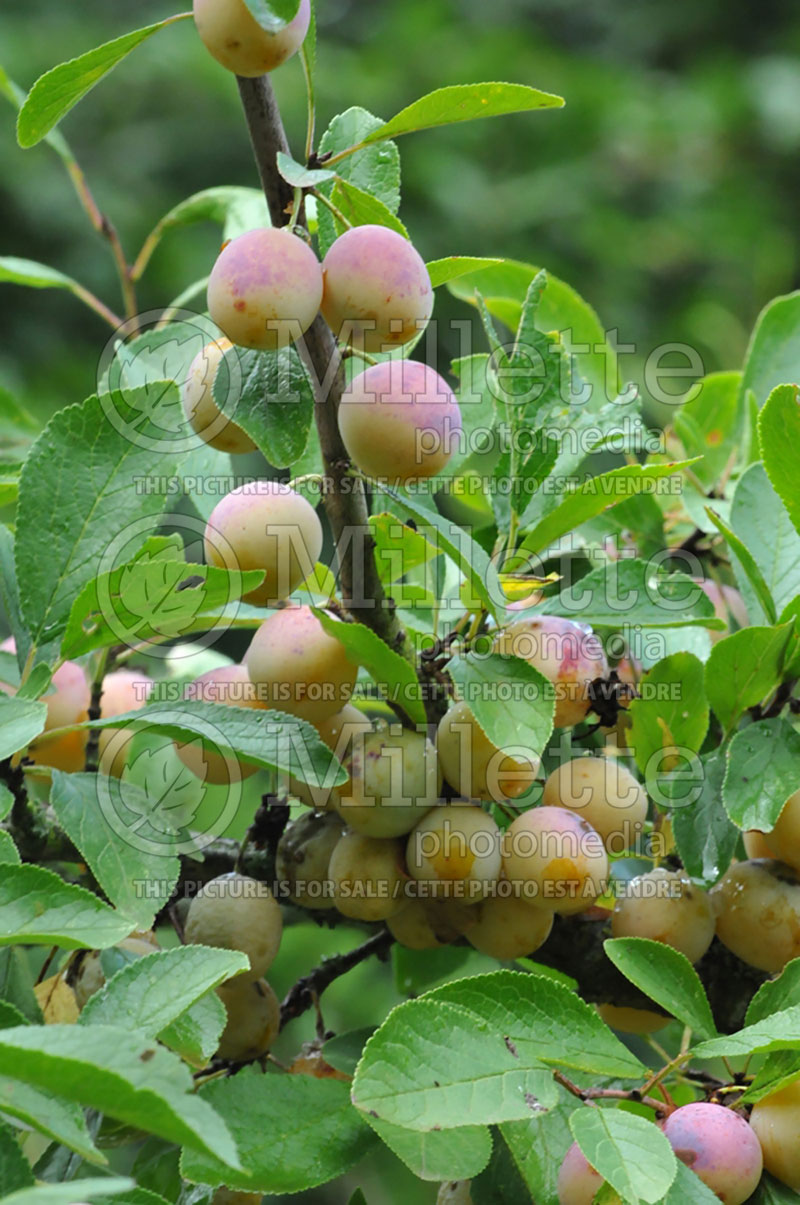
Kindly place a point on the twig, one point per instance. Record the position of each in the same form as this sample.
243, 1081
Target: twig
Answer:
590, 1095
306, 992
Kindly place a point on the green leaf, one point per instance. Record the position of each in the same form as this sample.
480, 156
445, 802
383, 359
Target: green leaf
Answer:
500, 1183
55, 93
362, 209
9, 854
749, 574
779, 434
152, 598
398, 547
777, 1071
538, 1147
636, 593
273, 15
627, 1150
596, 495
21, 721
763, 771
34, 275
139, 884
124, 1075
463, 102
689, 1187
671, 715
745, 668
16, 984
10, 1015
266, 738
67, 1194
704, 834
447, 537
314, 1133
527, 721
393, 673
452, 267
774, 351
779, 1031
776, 994
39, 908
438, 1154
151, 993
9, 595
561, 309
195, 1034
763, 524
500, 1032
297, 174
234, 208
61, 1120
666, 976
55, 560
375, 170
706, 425
15, 1171
275, 405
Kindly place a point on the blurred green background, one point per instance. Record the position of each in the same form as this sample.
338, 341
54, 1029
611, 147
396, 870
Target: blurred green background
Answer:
665, 191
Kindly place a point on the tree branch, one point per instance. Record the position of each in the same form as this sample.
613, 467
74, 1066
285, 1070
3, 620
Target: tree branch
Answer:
345, 500
308, 989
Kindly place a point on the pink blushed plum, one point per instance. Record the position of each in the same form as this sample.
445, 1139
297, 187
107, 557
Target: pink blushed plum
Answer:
231, 686
719, 1146
232, 35
298, 667
399, 421
377, 290
265, 289
265, 525
567, 653
578, 1183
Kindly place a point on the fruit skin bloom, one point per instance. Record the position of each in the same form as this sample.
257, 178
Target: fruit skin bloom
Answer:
377, 290
719, 1146
399, 420
234, 912
265, 289
232, 35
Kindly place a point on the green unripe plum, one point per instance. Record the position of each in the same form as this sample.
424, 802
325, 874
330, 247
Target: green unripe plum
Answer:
776, 1123
67, 700
229, 685
508, 927
632, 1020
265, 289
556, 859
234, 912
399, 420
456, 850
232, 35
605, 793
454, 1192
201, 408
578, 1183
123, 690
783, 842
254, 1019
368, 877
720, 1148
568, 654
303, 857
377, 291
265, 525
666, 906
474, 766
298, 668
413, 926
758, 913
394, 782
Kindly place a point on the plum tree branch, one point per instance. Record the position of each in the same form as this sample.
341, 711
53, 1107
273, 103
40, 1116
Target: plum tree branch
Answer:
345, 504
308, 989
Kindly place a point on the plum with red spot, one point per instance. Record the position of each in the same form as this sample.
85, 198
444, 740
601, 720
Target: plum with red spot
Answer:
400, 421
377, 291
265, 289
719, 1146
568, 654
